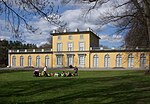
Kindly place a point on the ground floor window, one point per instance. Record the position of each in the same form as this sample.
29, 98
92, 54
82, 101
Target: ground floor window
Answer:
47, 61
29, 61
21, 60
81, 60
106, 60
118, 60
38, 61
14, 61
70, 60
142, 60
59, 60
95, 61
130, 60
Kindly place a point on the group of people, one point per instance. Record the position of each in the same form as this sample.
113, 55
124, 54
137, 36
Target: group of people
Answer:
63, 74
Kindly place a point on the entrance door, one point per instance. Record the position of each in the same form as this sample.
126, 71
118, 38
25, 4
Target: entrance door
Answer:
70, 60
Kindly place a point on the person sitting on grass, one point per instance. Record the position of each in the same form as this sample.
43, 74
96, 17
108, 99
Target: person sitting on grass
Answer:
36, 73
45, 71
76, 71
63, 74
68, 74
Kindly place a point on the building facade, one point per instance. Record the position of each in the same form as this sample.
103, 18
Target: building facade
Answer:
81, 49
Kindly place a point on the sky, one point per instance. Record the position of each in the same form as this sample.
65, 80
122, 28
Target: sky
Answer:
74, 16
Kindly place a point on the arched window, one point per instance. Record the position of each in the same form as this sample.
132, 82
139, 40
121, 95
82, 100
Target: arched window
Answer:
130, 60
29, 61
38, 61
14, 61
21, 61
118, 60
106, 60
95, 61
142, 60
47, 61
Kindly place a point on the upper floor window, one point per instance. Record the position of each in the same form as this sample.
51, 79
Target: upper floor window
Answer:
70, 46
81, 46
70, 37
81, 36
59, 46
59, 38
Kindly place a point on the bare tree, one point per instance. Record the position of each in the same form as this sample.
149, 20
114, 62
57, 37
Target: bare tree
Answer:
18, 13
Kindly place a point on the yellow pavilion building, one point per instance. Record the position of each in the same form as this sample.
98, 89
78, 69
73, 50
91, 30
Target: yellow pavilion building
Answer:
81, 49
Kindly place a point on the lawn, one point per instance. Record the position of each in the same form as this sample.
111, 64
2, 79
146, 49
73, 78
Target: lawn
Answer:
90, 87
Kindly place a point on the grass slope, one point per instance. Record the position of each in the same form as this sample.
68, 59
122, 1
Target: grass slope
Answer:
90, 87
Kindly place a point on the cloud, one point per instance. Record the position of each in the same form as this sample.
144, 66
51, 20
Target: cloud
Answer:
112, 38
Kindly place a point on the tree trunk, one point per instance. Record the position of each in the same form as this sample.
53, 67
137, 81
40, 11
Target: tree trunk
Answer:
147, 16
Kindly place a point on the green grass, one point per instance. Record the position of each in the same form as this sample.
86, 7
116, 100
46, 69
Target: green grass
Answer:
90, 87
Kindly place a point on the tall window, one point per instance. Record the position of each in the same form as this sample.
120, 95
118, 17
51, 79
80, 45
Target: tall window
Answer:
142, 60
14, 61
59, 59
130, 60
118, 60
95, 60
29, 61
59, 46
81, 46
106, 60
81, 60
70, 46
38, 61
47, 60
21, 60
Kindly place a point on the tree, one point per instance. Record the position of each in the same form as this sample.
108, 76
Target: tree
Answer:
17, 14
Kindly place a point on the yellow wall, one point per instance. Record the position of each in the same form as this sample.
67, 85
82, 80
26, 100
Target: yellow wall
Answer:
25, 56
124, 55
75, 40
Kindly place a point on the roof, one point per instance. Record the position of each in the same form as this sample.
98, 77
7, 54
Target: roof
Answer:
74, 32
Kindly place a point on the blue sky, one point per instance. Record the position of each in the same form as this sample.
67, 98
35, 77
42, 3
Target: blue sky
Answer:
74, 16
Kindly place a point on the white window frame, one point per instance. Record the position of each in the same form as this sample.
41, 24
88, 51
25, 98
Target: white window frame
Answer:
142, 60
47, 61
59, 60
29, 61
118, 60
13, 60
95, 60
81, 46
59, 46
70, 46
37, 61
21, 61
106, 61
130, 60
81, 60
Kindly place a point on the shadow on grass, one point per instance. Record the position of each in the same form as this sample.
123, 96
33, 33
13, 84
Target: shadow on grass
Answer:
129, 89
